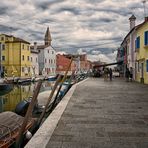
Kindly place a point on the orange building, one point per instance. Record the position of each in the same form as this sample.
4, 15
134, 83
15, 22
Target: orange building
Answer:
62, 64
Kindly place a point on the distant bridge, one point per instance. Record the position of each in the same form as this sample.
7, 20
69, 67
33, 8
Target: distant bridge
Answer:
109, 64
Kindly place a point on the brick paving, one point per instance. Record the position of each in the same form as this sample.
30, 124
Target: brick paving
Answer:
104, 115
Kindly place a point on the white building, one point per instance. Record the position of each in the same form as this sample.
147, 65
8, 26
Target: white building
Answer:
46, 56
131, 45
34, 61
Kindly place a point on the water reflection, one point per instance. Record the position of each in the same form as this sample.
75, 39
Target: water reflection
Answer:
9, 101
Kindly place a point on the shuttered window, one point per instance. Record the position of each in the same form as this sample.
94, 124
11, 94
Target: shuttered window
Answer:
146, 38
138, 42
146, 65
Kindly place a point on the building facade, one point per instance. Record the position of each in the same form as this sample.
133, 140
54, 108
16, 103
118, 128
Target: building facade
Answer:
34, 62
63, 63
15, 56
46, 56
142, 52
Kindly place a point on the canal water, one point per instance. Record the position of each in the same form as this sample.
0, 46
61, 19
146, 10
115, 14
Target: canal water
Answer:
9, 101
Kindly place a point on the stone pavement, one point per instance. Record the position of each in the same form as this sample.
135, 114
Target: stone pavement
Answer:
104, 115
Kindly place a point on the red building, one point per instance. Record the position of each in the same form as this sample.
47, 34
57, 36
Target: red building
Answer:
82, 63
62, 64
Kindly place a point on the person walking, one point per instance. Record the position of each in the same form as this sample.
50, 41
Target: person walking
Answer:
110, 74
127, 74
131, 74
105, 74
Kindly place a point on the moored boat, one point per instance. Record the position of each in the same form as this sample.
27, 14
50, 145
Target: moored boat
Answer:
52, 78
10, 124
5, 87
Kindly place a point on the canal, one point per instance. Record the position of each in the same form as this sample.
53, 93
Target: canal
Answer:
18, 93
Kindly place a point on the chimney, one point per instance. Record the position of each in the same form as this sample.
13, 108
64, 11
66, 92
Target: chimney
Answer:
146, 19
35, 45
132, 22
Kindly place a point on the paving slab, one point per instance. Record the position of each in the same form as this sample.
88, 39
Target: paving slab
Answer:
104, 114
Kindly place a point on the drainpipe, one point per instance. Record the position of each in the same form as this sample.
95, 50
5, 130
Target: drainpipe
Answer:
20, 59
0, 60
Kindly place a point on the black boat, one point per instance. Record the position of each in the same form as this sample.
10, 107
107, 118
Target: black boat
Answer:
5, 88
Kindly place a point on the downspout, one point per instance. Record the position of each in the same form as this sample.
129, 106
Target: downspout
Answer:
20, 59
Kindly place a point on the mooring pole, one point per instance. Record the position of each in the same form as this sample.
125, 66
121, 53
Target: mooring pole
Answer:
28, 114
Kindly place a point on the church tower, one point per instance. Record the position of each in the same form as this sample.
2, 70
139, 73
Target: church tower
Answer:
47, 38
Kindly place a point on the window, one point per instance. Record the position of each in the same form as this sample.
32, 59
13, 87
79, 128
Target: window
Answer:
146, 65
45, 60
52, 52
23, 58
2, 38
23, 46
138, 67
48, 51
3, 46
23, 69
28, 58
31, 59
146, 38
28, 69
3, 58
138, 42
51, 61
36, 59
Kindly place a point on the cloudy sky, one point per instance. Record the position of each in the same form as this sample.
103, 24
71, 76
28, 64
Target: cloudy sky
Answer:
96, 26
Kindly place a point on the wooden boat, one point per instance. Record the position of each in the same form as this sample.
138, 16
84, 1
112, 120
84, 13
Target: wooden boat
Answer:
10, 124
24, 81
52, 78
5, 87
21, 107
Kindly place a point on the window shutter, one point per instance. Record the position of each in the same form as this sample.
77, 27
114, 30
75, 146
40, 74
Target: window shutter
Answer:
146, 38
146, 65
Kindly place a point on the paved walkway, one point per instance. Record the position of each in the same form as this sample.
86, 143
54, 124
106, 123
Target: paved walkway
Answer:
104, 115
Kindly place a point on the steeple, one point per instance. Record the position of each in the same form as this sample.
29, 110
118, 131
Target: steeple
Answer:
47, 38
132, 20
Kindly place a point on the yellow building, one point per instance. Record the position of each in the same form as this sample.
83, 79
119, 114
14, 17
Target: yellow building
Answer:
15, 56
142, 52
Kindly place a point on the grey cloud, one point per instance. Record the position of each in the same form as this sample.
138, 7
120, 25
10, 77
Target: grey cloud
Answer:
73, 30
3, 10
9, 29
45, 4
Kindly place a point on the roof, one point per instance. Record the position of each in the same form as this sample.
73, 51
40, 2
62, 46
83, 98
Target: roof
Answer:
7, 35
132, 17
140, 25
34, 51
40, 46
16, 39
135, 28
20, 40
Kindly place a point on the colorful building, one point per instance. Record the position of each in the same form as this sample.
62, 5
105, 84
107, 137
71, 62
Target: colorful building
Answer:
63, 63
34, 62
126, 52
46, 56
141, 44
15, 56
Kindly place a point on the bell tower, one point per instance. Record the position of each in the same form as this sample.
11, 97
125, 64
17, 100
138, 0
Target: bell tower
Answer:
47, 38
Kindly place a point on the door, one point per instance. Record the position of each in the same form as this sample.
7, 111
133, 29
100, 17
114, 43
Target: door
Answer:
142, 73
142, 70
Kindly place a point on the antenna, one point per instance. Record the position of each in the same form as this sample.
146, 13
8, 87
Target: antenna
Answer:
144, 2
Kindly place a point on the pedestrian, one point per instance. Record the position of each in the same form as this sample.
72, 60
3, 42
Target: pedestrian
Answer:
105, 74
127, 74
110, 74
131, 74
